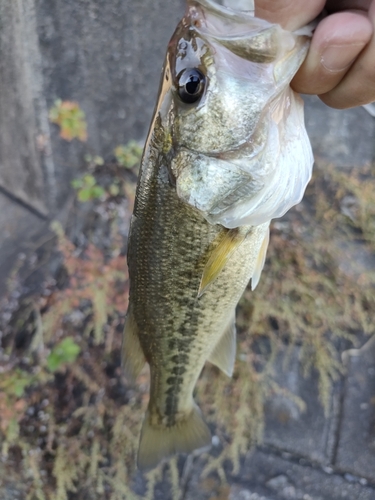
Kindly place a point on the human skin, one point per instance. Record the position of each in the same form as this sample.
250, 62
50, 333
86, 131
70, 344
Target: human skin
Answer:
340, 65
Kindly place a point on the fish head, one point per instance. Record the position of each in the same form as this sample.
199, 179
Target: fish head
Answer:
239, 152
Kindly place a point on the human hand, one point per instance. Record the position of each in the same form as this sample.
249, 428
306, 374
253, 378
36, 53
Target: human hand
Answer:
340, 64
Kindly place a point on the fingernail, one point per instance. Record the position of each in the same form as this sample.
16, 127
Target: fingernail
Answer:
336, 58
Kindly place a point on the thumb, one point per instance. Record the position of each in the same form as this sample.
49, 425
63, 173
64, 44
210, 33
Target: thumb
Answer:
290, 14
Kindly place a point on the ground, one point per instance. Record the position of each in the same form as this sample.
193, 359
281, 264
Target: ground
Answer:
297, 419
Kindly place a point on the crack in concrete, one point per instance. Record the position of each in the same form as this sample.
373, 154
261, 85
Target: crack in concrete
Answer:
23, 204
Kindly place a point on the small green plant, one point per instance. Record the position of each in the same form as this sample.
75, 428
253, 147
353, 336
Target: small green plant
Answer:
94, 161
114, 188
71, 120
12, 388
93, 186
130, 155
87, 188
64, 352
16, 382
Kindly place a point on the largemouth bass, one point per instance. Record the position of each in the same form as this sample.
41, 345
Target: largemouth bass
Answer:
226, 152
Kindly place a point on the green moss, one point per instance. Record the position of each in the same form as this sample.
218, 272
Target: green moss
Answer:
64, 352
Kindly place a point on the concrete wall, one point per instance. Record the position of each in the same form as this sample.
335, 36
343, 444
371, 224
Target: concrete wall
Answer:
20, 78
107, 56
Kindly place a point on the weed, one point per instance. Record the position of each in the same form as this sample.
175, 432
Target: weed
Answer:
101, 285
65, 351
93, 161
15, 383
87, 188
70, 118
95, 185
130, 155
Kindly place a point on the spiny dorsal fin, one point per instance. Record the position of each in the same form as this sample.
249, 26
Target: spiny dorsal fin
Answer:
157, 442
220, 256
224, 354
260, 260
132, 355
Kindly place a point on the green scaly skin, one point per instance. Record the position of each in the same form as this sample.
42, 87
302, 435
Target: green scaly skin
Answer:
170, 243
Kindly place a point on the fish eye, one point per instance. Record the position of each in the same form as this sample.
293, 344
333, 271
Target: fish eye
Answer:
191, 84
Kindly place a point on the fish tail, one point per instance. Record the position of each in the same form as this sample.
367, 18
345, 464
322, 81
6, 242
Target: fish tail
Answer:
161, 441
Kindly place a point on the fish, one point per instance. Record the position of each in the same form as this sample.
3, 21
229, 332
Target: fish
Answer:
226, 152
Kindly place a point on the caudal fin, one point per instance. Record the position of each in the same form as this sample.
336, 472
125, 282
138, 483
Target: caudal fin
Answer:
158, 442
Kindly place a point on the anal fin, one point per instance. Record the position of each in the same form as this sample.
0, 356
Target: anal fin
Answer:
132, 355
161, 441
220, 256
224, 354
260, 260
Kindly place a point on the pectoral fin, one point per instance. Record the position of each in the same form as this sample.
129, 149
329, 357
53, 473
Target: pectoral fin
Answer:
260, 260
220, 256
224, 354
132, 355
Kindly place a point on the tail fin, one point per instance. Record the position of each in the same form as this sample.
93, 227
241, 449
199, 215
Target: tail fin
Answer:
158, 442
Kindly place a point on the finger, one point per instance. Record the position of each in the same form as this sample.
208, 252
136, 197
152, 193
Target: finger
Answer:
337, 42
358, 85
337, 5
290, 14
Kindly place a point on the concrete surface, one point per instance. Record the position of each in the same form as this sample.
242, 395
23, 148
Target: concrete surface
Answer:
306, 433
107, 56
356, 445
344, 138
20, 163
268, 475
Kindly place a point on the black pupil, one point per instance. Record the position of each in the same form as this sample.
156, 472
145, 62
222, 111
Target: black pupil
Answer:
192, 84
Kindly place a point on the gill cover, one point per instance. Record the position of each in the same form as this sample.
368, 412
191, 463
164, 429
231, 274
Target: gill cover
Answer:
241, 154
